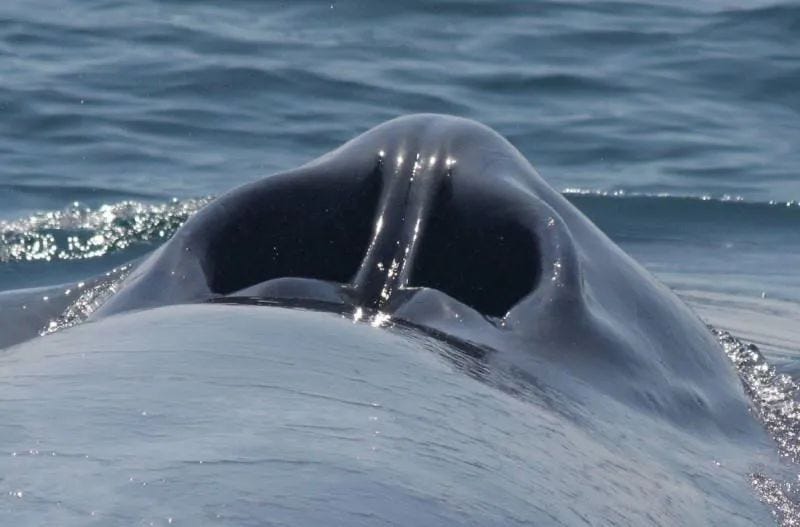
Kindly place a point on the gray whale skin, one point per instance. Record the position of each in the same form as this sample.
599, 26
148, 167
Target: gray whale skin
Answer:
439, 221
524, 369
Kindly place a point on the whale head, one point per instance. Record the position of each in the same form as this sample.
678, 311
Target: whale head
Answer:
439, 222
521, 367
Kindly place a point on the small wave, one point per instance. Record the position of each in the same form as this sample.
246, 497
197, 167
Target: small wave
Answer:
715, 222
774, 394
46, 190
772, 20
775, 400
78, 232
783, 497
91, 298
516, 83
724, 198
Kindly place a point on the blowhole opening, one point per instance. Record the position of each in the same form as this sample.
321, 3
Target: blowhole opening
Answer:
315, 227
484, 259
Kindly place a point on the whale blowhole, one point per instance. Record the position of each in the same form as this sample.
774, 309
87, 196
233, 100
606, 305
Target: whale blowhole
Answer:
304, 231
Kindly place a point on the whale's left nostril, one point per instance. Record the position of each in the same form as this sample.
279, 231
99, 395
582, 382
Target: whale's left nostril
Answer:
486, 260
318, 229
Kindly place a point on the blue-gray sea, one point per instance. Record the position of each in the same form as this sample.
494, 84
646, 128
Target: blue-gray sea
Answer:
674, 125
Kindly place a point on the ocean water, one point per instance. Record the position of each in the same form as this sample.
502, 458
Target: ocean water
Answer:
675, 126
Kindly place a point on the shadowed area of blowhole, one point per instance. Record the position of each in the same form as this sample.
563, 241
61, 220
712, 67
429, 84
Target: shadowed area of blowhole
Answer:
316, 228
483, 258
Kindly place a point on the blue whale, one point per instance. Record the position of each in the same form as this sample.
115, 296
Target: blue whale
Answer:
440, 222
412, 329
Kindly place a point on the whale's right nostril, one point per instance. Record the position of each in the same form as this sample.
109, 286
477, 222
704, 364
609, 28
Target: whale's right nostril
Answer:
482, 258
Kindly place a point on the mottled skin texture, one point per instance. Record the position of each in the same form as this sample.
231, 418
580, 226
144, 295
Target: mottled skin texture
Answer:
441, 222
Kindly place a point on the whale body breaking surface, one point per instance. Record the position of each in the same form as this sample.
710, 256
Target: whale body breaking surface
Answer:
440, 222
522, 368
